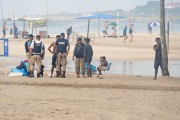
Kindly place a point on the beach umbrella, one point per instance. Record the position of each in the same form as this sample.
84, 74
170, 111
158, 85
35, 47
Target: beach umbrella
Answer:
113, 24
98, 16
154, 24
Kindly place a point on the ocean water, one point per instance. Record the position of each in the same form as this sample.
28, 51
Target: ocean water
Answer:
80, 26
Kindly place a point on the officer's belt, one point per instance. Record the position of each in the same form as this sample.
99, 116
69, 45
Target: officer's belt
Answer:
61, 52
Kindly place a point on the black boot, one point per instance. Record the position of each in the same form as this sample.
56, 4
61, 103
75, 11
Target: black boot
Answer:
31, 74
39, 75
64, 74
57, 73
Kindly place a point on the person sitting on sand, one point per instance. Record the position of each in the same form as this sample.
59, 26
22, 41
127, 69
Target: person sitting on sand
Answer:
158, 57
103, 66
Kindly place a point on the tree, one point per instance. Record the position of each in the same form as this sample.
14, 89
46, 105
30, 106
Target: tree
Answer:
165, 71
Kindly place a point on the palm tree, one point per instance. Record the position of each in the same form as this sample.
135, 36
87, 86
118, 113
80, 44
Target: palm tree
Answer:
165, 71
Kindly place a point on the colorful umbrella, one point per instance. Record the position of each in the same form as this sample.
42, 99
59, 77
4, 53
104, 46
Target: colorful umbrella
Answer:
113, 24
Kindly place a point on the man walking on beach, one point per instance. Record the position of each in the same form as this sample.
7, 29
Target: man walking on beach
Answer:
78, 54
131, 31
88, 54
125, 34
62, 49
158, 57
69, 31
4, 28
37, 50
27, 49
54, 57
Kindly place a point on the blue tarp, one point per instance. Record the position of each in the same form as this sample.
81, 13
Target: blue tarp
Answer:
23, 70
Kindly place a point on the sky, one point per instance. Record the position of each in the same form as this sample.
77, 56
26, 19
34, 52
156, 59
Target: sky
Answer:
39, 7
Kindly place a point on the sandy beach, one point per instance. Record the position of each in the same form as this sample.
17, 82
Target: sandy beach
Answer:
114, 97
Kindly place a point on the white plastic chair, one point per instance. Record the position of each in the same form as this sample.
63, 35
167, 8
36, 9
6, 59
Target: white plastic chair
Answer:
108, 68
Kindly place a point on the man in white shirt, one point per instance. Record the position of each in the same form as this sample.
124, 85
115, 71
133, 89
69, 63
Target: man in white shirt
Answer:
37, 50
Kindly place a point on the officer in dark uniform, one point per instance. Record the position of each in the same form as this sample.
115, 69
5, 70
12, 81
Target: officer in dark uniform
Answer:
27, 49
62, 49
37, 50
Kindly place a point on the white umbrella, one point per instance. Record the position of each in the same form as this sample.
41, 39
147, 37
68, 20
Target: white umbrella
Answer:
154, 24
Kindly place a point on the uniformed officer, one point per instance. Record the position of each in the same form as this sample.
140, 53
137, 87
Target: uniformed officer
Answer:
62, 49
27, 49
37, 50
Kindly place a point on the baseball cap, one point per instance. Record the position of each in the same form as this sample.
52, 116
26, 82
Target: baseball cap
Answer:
62, 34
31, 35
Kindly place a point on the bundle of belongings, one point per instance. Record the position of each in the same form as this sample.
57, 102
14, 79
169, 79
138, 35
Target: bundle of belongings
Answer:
20, 70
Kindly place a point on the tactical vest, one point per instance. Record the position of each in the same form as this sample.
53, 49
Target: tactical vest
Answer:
62, 44
37, 48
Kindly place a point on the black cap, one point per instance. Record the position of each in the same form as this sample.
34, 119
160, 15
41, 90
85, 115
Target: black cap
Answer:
31, 35
62, 34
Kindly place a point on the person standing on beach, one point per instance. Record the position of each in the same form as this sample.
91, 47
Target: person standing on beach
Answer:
131, 31
150, 28
158, 57
27, 49
54, 57
37, 51
15, 29
4, 28
125, 34
78, 54
62, 50
88, 54
69, 31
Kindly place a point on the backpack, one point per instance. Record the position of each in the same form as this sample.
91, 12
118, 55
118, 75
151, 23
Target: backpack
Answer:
79, 51
21, 66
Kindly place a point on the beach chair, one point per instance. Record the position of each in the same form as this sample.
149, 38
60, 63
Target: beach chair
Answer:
108, 68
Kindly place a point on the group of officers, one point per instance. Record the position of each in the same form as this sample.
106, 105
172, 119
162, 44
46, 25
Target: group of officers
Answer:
35, 52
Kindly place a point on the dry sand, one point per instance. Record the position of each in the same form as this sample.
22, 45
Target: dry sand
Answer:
116, 97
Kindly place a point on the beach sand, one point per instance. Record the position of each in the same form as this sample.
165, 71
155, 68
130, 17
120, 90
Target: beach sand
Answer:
114, 97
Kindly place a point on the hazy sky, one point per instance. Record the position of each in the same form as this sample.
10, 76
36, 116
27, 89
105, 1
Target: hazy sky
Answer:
35, 7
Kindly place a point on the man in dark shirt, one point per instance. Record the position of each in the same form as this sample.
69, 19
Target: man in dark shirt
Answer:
69, 31
78, 54
88, 54
158, 57
27, 49
62, 50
